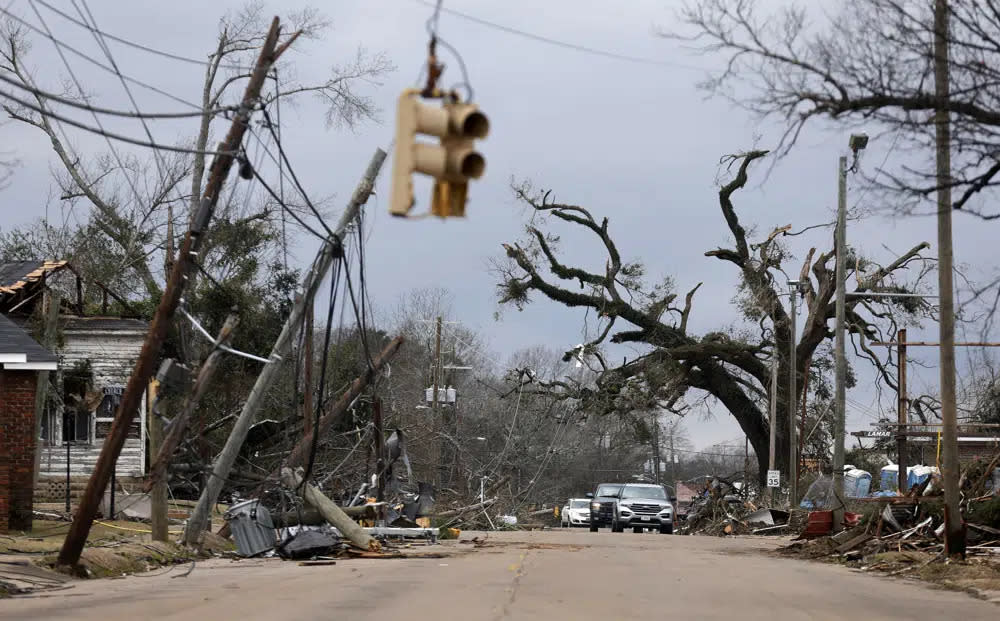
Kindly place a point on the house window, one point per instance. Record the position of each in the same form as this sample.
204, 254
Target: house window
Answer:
76, 426
109, 404
76, 411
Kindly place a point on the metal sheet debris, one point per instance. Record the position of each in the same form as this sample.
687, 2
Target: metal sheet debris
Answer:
252, 527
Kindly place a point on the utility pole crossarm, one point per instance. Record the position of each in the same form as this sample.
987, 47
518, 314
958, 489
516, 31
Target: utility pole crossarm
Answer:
76, 537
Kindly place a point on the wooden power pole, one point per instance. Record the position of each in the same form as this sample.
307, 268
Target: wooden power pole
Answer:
330, 251
159, 510
954, 536
773, 431
840, 358
442, 449
76, 537
307, 376
902, 410
168, 444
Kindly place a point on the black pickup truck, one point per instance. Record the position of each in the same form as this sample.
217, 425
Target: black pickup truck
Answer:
602, 505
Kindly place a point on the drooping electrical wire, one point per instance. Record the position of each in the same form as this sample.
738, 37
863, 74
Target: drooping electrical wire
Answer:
338, 267
114, 152
138, 46
563, 44
286, 208
105, 133
112, 111
64, 46
291, 171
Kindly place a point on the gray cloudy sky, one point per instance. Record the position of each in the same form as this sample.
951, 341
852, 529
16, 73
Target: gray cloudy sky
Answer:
634, 141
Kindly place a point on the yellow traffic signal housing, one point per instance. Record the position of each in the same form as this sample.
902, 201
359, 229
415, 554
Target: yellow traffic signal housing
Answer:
452, 162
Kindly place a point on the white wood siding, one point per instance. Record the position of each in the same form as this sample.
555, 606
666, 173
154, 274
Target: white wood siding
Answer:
112, 355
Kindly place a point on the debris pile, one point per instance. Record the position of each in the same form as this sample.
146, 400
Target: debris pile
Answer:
720, 511
904, 535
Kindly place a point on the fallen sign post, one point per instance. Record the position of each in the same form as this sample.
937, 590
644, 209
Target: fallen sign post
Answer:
76, 537
333, 514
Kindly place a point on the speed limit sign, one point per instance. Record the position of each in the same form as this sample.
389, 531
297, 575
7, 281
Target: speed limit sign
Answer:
773, 478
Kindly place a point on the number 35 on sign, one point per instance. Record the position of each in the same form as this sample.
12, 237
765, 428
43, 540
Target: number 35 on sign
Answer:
773, 478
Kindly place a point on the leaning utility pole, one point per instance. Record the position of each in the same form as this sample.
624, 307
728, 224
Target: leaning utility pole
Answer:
954, 535
840, 396
178, 425
76, 537
307, 376
330, 251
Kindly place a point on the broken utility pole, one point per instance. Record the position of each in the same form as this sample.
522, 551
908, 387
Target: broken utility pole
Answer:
307, 368
379, 450
328, 253
179, 424
300, 454
333, 514
76, 538
159, 512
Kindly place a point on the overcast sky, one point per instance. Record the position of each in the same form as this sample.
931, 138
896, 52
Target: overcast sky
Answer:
636, 142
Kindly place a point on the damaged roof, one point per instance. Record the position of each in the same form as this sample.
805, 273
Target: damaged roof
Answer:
15, 275
18, 351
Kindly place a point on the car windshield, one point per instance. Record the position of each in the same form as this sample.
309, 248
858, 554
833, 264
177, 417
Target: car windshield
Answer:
650, 491
608, 490
578, 504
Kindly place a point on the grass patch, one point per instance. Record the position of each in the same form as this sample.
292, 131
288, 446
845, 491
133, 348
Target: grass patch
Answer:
46, 536
123, 559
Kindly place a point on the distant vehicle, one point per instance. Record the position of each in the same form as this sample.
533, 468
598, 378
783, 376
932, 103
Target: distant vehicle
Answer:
576, 512
602, 505
643, 506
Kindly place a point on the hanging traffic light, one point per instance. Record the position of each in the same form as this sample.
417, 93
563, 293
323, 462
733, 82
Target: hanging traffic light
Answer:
452, 163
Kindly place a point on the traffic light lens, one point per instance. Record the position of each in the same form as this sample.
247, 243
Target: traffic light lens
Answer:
473, 166
475, 125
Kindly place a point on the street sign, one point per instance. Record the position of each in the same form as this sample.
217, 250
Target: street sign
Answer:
774, 478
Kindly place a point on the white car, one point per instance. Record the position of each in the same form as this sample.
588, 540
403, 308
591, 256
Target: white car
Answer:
576, 513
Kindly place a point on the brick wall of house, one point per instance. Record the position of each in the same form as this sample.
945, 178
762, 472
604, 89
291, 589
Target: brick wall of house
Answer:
17, 448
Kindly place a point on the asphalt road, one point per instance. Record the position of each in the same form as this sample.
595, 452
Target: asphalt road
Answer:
523, 576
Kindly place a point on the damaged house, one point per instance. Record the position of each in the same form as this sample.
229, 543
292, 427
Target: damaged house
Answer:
97, 337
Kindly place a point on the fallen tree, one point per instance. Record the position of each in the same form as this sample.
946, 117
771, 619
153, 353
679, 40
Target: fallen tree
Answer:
730, 367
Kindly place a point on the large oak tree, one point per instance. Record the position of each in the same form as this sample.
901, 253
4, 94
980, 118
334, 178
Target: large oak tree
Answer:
678, 364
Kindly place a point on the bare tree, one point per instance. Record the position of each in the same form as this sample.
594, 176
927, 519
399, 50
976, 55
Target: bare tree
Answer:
869, 63
137, 202
8, 162
731, 368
